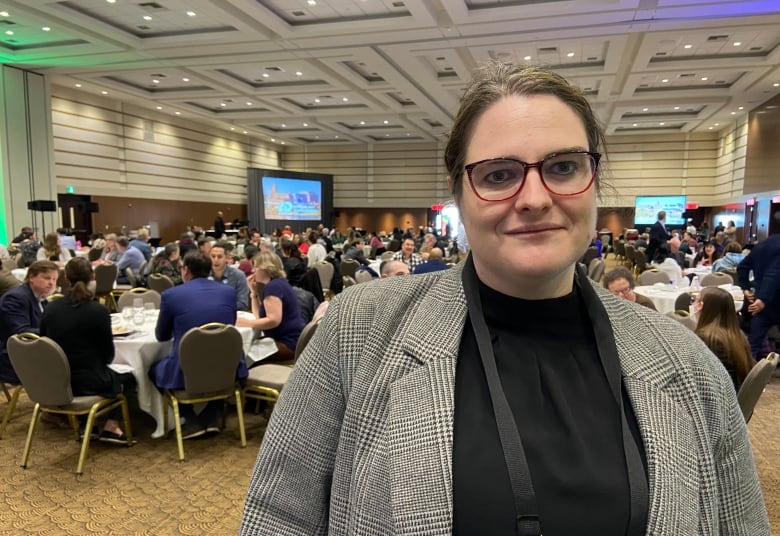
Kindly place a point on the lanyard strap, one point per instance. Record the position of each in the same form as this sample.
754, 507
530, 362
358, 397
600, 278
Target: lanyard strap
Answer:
526, 509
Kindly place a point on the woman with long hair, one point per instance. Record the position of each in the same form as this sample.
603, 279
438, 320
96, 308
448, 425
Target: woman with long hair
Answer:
167, 262
718, 327
274, 306
82, 327
52, 250
707, 256
292, 262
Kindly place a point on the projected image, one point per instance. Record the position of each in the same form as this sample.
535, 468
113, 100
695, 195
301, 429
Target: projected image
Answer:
647, 209
292, 199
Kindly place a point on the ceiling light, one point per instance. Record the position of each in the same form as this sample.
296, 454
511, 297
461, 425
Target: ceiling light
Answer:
737, 43
362, 122
266, 75
344, 99
317, 100
249, 103
306, 124
644, 109
4, 14
336, 137
104, 92
185, 79
77, 85
177, 113
711, 128
688, 46
232, 128
46, 29
717, 124
111, 1
635, 125
155, 81
704, 78
776, 84
676, 107
284, 125
245, 132
311, 2
147, 17
741, 108
386, 122
273, 139
661, 124
9, 32
222, 104
298, 73
282, 143
527, 58
570, 54
733, 113
665, 80
158, 107
191, 13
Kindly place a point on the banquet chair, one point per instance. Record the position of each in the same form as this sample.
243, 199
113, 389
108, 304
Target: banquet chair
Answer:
12, 397
653, 276
105, 279
159, 282
325, 270
348, 267
45, 373
754, 384
684, 318
715, 279
209, 356
362, 276
640, 261
306, 334
596, 269
620, 251
148, 296
386, 256
683, 302
348, 281
629, 256
589, 255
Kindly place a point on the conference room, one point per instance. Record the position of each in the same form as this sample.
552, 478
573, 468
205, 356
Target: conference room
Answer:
123, 115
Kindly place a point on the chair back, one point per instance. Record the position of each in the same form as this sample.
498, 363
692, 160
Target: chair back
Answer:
620, 249
653, 276
159, 282
640, 260
589, 255
386, 256
348, 267
209, 356
325, 271
629, 249
148, 296
683, 302
94, 254
348, 281
596, 269
131, 277
754, 384
105, 277
715, 279
42, 367
306, 334
361, 276
684, 318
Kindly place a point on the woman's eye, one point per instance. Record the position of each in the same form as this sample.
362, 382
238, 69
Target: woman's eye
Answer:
495, 175
562, 168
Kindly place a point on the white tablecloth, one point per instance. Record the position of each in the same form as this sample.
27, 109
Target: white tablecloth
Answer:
19, 273
664, 296
141, 350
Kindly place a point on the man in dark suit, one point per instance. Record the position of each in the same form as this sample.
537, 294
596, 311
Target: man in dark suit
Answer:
658, 235
764, 261
219, 226
198, 301
21, 308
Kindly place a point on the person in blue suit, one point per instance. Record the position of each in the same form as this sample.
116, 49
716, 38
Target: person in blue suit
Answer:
21, 308
198, 301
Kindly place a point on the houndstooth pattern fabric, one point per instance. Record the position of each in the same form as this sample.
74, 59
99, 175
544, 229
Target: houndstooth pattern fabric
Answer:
360, 442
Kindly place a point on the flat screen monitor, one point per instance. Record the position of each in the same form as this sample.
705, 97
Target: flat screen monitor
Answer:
648, 207
292, 199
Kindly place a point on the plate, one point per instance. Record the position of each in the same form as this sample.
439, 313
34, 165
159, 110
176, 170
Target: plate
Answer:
119, 330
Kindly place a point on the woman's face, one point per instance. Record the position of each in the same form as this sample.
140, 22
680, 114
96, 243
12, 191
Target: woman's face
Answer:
527, 246
709, 249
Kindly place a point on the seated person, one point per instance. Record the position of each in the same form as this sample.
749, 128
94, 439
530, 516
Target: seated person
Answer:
433, 264
407, 254
391, 268
292, 262
620, 282
275, 307
223, 273
196, 302
718, 326
130, 258
141, 243
707, 256
52, 250
21, 308
167, 263
355, 252
66, 321
246, 264
732, 256
667, 264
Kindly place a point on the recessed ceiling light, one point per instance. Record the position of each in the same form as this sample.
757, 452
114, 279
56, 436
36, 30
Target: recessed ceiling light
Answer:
298, 73
9, 32
177, 113
362, 122
158, 107
249, 103
704, 78
77, 85
223, 104
282, 143
344, 99
635, 125
676, 107
4, 14
46, 28
711, 128
147, 17
311, 2
306, 124
191, 13
245, 132
232, 128
644, 109
273, 139
688, 46
336, 137
111, 1
104, 92
266, 75
737, 43
717, 124
665, 80
284, 125
733, 113
155, 81
776, 84
385, 121
570, 54
662, 124
185, 79
317, 100
741, 108
527, 58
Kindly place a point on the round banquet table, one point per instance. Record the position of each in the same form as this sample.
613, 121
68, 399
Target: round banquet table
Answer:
664, 296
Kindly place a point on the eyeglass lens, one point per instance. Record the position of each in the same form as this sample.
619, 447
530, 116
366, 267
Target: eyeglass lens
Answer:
563, 174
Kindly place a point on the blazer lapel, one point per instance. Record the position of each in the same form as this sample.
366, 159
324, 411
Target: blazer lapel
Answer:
421, 412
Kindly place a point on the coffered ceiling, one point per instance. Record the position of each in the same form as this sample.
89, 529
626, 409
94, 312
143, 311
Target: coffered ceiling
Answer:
372, 71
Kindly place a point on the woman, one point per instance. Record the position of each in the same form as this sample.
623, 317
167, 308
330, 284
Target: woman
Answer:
274, 306
627, 425
82, 327
52, 250
718, 326
664, 262
376, 244
167, 262
292, 262
732, 256
707, 256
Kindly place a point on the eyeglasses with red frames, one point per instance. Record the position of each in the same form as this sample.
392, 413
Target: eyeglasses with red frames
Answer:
563, 174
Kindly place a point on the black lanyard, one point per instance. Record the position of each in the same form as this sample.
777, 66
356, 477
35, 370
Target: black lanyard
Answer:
526, 509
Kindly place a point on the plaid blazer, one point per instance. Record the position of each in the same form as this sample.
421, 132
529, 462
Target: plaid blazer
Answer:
360, 442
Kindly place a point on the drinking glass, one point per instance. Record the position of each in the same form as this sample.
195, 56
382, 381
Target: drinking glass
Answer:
127, 315
149, 311
138, 304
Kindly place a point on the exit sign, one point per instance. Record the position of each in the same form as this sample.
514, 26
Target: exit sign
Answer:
437, 207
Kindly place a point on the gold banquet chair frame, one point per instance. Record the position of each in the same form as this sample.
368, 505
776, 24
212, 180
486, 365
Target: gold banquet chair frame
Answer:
43, 368
209, 356
12, 398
